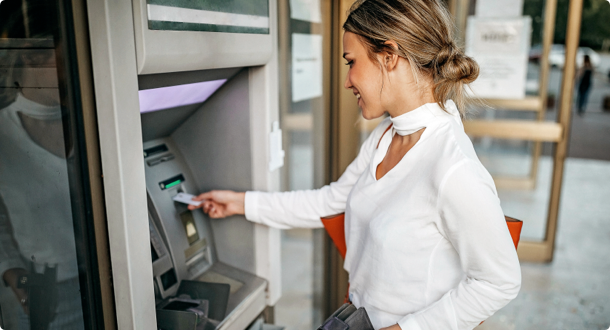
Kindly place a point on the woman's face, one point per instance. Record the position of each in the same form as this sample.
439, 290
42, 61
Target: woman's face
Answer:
364, 77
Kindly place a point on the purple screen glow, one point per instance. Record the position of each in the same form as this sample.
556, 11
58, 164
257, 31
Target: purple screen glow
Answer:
175, 96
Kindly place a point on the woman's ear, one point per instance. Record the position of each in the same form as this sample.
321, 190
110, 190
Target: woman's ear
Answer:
390, 59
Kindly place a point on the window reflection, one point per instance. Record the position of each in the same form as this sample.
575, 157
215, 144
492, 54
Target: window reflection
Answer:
37, 244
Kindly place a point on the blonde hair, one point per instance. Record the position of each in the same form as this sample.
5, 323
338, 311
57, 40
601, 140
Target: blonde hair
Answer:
423, 31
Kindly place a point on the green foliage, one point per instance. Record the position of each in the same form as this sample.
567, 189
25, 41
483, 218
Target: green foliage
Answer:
595, 26
535, 9
595, 23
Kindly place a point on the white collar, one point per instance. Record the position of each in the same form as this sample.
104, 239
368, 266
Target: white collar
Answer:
416, 119
36, 110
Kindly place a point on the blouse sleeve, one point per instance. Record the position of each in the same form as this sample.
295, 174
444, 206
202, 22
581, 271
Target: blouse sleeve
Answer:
472, 220
303, 208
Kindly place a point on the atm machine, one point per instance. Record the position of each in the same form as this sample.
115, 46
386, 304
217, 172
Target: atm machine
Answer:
195, 128
207, 88
193, 148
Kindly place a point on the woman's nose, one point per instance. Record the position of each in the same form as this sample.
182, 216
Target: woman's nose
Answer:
348, 83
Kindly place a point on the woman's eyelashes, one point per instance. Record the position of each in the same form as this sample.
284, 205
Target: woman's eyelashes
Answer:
350, 63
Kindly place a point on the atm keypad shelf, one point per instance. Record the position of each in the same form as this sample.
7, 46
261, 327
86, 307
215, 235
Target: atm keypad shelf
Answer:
186, 269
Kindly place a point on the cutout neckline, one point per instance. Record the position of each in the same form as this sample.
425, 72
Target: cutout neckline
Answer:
377, 174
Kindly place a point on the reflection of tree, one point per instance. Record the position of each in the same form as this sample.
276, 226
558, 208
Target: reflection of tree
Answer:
595, 17
22, 20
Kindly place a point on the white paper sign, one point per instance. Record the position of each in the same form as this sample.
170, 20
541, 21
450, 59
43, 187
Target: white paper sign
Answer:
306, 66
500, 47
306, 10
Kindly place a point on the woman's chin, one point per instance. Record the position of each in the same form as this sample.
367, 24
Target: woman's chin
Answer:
368, 115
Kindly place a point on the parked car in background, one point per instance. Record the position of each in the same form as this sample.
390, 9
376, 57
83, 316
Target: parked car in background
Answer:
558, 54
535, 53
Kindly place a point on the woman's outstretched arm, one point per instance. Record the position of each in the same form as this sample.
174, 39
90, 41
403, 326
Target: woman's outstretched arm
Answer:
302, 208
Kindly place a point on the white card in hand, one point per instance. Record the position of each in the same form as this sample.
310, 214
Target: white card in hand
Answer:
186, 199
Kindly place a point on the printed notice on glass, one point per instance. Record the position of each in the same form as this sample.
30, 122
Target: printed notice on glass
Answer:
306, 66
306, 10
500, 46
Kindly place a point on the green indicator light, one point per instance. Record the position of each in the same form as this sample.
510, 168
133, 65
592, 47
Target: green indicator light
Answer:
169, 185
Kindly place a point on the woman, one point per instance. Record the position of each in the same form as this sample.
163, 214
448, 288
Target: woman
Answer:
586, 79
427, 243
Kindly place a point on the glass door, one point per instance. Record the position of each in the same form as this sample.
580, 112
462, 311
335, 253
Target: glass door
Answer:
304, 55
518, 136
50, 207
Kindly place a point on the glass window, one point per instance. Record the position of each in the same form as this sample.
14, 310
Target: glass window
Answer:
304, 44
43, 252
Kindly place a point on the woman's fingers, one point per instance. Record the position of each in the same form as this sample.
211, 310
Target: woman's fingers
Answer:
194, 207
213, 209
22, 296
204, 196
216, 211
220, 203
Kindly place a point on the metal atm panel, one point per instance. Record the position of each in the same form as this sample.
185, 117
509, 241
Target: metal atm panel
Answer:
192, 253
169, 49
187, 234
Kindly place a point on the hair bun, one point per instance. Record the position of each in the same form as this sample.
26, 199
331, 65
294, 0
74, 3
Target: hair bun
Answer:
452, 65
445, 54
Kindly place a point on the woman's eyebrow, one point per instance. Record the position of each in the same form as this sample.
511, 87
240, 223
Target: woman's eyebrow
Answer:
344, 54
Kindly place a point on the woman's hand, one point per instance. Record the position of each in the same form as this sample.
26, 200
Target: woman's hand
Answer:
11, 277
221, 203
392, 327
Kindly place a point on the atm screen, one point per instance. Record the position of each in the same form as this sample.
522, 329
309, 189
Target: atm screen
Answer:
189, 227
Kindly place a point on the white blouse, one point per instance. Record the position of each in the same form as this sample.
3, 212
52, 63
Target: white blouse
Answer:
427, 244
34, 188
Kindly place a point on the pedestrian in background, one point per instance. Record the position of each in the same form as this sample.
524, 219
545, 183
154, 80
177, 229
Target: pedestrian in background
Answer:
584, 86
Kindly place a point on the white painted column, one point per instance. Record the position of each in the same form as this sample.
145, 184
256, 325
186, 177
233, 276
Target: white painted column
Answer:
113, 52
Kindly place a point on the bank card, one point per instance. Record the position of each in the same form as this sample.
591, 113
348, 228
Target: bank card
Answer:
186, 199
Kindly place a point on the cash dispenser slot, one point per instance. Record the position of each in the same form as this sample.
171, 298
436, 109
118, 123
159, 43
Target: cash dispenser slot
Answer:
149, 152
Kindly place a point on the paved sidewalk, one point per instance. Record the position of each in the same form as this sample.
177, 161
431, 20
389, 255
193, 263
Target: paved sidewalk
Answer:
572, 292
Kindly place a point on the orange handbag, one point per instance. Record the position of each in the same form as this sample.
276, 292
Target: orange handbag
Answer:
335, 227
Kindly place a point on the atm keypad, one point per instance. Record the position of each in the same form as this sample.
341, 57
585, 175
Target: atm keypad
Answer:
155, 241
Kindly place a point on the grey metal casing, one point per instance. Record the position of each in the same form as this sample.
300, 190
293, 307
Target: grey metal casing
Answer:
165, 213
216, 139
171, 51
214, 143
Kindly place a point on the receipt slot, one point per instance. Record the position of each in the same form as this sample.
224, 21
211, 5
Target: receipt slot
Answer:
203, 268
